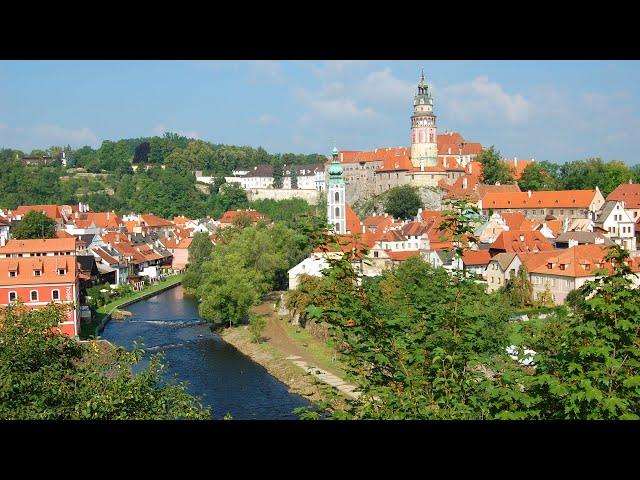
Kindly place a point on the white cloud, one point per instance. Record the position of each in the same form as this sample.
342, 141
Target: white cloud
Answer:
341, 109
481, 98
269, 70
160, 130
45, 135
384, 86
265, 119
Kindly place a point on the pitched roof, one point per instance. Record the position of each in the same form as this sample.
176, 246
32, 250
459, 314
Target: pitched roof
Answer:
352, 221
476, 257
578, 261
99, 219
39, 245
517, 166
516, 221
542, 199
504, 259
582, 237
402, 256
111, 260
521, 241
51, 211
48, 265
629, 193
152, 220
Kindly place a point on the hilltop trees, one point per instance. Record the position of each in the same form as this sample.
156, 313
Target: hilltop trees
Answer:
34, 225
539, 176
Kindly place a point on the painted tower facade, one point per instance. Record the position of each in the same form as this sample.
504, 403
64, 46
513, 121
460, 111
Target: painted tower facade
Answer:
336, 197
424, 146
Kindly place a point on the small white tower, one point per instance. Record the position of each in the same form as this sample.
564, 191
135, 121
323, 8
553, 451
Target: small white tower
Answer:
424, 143
336, 197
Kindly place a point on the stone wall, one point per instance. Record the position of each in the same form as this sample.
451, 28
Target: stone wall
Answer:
311, 196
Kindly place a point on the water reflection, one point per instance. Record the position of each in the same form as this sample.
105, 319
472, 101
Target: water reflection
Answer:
222, 376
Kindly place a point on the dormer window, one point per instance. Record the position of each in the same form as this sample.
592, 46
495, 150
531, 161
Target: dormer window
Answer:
37, 273
563, 266
62, 271
13, 274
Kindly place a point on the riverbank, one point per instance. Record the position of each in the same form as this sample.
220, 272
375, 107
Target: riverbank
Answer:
292, 355
103, 313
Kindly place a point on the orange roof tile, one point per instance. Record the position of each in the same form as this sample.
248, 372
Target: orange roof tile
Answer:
39, 245
546, 199
25, 266
402, 256
629, 193
255, 216
521, 241
352, 221
152, 220
476, 257
51, 211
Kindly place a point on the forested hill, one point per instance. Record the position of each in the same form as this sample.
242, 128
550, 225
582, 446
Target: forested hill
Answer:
104, 177
187, 153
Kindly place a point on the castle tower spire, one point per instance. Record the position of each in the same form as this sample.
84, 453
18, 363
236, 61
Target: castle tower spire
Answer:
424, 147
336, 196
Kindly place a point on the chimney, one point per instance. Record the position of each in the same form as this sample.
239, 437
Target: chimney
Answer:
464, 182
515, 161
449, 150
529, 193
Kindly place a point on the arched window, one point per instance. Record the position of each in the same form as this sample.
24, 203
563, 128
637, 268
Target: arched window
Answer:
34, 295
337, 212
55, 294
337, 196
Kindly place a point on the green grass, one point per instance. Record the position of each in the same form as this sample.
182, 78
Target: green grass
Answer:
318, 349
89, 329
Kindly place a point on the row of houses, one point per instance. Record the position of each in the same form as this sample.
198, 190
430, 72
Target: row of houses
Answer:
93, 248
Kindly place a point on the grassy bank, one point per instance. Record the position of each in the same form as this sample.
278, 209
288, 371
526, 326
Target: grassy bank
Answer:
320, 351
89, 329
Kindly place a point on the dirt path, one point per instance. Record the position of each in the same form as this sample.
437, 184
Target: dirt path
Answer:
277, 336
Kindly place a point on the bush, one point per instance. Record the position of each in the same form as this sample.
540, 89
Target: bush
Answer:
257, 326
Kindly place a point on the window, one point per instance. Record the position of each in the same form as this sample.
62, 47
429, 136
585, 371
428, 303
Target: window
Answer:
55, 294
34, 295
13, 274
337, 196
61, 271
37, 273
13, 296
337, 212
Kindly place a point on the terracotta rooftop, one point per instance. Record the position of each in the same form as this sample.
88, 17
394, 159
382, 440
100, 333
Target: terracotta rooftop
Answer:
546, 199
629, 193
229, 216
47, 265
67, 244
51, 211
521, 242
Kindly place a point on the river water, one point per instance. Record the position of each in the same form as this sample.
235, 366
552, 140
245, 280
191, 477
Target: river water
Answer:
227, 380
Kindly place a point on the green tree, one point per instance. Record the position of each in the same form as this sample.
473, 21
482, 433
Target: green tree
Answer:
34, 225
494, 169
536, 177
403, 202
519, 289
594, 372
278, 174
294, 177
47, 376
591, 172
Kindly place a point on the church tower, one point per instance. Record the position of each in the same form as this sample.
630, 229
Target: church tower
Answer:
336, 197
424, 146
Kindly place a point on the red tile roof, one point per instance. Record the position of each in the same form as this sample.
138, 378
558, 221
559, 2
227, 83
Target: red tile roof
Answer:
476, 257
578, 261
152, 220
352, 221
521, 241
99, 219
40, 245
629, 193
547, 199
517, 166
516, 221
48, 265
51, 211
402, 256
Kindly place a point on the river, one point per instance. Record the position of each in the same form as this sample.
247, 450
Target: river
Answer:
224, 378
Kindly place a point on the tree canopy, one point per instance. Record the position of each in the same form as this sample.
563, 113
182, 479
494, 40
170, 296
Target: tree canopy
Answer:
403, 202
493, 168
34, 225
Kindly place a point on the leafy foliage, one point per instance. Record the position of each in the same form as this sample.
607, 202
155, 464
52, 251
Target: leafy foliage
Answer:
493, 168
47, 376
403, 202
34, 225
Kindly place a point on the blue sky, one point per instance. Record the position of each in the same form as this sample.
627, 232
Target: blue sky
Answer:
548, 110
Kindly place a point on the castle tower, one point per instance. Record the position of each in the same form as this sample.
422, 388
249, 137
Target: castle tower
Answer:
424, 146
336, 196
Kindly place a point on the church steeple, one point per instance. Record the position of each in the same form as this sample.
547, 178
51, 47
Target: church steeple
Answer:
336, 196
